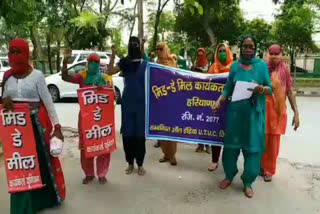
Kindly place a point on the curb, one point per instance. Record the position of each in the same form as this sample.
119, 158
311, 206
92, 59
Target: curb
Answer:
308, 94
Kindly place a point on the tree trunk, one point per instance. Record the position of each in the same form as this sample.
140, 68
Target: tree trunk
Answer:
58, 56
37, 50
140, 19
49, 53
155, 35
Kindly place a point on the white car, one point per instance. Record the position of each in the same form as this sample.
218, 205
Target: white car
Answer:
4, 66
81, 55
61, 89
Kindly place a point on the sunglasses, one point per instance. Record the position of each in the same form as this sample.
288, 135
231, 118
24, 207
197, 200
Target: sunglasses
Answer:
222, 51
274, 54
159, 49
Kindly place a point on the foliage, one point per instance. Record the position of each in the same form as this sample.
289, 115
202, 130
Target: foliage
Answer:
221, 20
294, 29
117, 41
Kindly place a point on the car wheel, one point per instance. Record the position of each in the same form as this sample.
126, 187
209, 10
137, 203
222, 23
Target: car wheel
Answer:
55, 94
118, 96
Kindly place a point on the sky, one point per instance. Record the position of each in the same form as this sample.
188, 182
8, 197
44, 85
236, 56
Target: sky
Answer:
264, 9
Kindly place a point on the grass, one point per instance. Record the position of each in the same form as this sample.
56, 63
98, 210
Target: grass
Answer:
308, 82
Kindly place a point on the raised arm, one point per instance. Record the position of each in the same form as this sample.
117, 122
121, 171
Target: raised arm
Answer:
65, 76
111, 68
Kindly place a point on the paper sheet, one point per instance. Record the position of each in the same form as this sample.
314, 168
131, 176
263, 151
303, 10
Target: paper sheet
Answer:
241, 91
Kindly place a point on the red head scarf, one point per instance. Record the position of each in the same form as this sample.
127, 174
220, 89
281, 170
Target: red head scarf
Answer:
19, 62
94, 58
202, 60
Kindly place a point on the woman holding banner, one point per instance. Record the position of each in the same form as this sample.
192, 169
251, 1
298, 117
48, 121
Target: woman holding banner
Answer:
23, 84
133, 104
245, 125
86, 78
201, 66
276, 111
169, 148
223, 60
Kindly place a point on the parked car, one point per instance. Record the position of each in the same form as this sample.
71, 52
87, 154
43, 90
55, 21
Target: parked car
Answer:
80, 55
4, 66
61, 89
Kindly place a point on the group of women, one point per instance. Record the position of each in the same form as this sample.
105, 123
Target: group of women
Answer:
254, 126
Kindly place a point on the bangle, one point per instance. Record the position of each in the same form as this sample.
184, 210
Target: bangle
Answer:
262, 90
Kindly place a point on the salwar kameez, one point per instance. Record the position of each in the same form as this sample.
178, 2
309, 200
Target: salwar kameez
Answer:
53, 191
245, 126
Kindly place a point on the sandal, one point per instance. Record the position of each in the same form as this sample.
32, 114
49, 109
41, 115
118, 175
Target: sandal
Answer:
173, 162
267, 178
248, 191
212, 167
224, 184
87, 180
141, 171
103, 181
129, 169
163, 160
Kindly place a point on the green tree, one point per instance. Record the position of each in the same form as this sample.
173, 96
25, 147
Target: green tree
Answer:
221, 20
294, 29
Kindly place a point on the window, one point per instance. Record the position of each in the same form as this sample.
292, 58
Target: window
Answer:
71, 59
83, 57
103, 57
77, 68
5, 63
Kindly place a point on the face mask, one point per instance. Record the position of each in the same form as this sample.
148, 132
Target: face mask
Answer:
248, 54
222, 56
93, 68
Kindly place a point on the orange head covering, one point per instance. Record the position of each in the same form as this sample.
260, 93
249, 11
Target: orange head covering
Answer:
201, 59
218, 67
164, 56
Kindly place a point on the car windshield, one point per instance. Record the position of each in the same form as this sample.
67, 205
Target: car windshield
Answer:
5, 63
71, 59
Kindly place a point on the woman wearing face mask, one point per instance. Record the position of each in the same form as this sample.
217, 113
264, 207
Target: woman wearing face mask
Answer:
87, 78
276, 110
133, 104
22, 84
169, 148
245, 125
201, 66
223, 60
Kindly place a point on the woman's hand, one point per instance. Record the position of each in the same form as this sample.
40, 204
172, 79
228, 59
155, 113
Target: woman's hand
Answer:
259, 89
216, 106
57, 132
296, 121
7, 104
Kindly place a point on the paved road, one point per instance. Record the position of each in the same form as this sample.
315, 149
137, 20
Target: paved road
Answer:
189, 188
301, 146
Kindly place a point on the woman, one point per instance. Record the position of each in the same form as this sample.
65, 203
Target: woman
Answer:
201, 66
87, 78
223, 60
169, 148
276, 111
133, 104
245, 125
22, 84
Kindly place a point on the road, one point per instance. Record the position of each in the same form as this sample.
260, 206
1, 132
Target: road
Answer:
189, 187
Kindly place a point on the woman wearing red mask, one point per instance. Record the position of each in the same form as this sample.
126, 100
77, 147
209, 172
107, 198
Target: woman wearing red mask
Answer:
245, 124
276, 111
201, 66
22, 84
